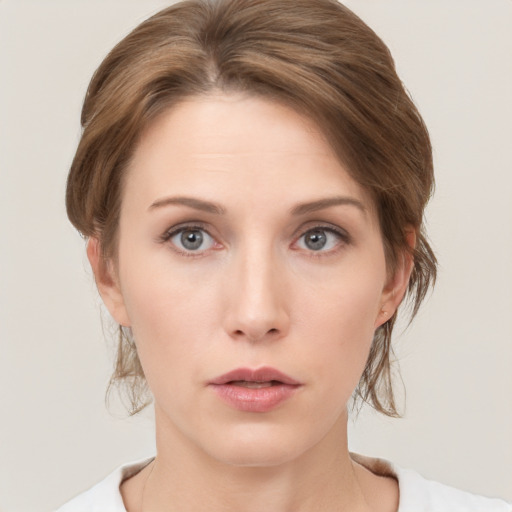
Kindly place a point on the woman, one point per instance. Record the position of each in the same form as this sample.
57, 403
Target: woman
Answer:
252, 178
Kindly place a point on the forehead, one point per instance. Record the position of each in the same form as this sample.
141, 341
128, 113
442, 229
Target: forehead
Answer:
236, 144
234, 124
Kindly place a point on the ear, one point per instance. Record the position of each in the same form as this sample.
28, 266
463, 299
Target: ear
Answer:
396, 286
107, 282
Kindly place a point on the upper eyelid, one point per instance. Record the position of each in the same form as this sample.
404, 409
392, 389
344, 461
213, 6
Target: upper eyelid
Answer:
184, 226
327, 226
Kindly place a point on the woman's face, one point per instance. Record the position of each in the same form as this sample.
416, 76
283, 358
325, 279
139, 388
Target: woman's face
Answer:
251, 271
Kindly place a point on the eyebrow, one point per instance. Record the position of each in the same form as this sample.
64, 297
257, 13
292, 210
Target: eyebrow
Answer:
191, 202
320, 204
300, 209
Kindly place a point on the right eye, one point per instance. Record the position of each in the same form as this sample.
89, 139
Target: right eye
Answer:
191, 240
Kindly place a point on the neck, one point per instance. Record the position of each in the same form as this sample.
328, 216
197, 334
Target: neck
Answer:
185, 478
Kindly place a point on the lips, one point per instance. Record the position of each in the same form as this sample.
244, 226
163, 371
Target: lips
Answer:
264, 374
259, 390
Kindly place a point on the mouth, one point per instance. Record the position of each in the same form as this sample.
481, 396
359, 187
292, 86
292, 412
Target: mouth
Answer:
261, 377
254, 384
256, 391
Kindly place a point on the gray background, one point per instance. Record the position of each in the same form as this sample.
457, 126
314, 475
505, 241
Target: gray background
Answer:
56, 437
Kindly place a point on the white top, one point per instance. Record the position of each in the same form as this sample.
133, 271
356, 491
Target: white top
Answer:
416, 493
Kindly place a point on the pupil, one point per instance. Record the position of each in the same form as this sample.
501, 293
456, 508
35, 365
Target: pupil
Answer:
316, 240
191, 239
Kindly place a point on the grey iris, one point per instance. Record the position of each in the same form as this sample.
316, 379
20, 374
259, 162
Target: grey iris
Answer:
315, 240
192, 240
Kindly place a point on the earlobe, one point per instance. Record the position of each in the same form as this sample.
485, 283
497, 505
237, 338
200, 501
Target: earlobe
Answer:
107, 282
396, 287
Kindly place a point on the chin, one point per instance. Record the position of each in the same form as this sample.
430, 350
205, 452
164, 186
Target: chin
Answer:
253, 446
254, 456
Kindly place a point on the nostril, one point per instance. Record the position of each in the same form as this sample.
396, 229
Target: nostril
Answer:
254, 336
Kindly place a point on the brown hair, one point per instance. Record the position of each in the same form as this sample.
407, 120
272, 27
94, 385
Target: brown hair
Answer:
314, 55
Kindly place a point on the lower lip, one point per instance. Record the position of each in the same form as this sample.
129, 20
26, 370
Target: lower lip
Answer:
254, 399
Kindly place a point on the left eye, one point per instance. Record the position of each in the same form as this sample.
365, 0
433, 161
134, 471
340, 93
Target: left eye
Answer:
319, 239
192, 240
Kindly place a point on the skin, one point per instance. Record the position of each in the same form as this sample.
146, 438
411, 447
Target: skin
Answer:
254, 294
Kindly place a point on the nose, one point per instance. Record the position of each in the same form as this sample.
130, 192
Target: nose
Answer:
257, 309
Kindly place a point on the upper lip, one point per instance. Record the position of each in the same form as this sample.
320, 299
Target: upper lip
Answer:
263, 374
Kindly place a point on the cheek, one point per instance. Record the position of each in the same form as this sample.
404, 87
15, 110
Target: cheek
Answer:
171, 316
340, 322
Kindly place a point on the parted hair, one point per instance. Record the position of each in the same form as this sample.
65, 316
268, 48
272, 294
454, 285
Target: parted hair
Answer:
315, 56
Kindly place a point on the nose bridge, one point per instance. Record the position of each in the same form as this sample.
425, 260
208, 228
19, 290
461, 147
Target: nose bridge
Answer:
258, 307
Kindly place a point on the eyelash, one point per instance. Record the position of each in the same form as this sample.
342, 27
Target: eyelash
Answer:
344, 239
343, 236
168, 235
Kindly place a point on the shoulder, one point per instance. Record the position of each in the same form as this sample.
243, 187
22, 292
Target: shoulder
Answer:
417, 494
105, 495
